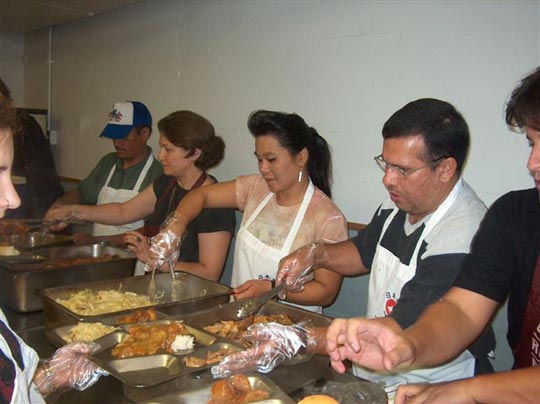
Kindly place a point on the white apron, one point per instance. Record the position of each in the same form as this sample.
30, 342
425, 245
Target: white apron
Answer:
387, 278
24, 391
110, 195
254, 259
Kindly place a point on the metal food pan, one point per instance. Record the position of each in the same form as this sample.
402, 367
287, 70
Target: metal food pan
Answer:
228, 312
40, 240
292, 374
146, 371
201, 395
21, 279
56, 336
195, 294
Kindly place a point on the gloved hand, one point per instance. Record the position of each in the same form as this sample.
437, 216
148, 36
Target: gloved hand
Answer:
69, 368
273, 344
165, 246
61, 217
296, 269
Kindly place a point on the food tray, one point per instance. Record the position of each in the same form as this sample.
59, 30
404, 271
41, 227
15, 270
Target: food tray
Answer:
21, 279
145, 371
37, 239
195, 294
201, 395
56, 335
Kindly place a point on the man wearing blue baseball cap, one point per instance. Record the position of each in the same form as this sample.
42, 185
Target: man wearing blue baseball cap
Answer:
119, 176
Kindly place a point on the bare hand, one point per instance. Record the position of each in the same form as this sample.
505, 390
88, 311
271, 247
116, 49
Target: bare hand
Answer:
138, 244
368, 343
443, 393
251, 288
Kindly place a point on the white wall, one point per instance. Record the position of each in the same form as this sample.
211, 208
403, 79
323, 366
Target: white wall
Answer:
11, 65
344, 66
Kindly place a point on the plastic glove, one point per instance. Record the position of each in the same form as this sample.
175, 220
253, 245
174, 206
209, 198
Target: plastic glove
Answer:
61, 217
296, 269
273, 344
70, 368
165, 246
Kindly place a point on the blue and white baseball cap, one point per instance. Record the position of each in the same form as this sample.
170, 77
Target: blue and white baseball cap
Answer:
124, 116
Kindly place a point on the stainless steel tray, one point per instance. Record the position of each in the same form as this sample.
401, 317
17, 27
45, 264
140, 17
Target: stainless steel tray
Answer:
56, 336
37, 239
201, 395
146, 371
195, 389
291, 374
20, 279
195, 294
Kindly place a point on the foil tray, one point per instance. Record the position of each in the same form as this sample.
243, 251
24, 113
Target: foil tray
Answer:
195, 294
37, 269
146, 371
38, 239
289, 377
201, 395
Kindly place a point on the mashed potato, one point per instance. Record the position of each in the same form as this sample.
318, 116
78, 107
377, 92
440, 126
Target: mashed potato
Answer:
87, 332
182, 342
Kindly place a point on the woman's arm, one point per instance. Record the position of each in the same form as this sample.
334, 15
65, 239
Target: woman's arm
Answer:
213, 249
136, 208
220, 195
321, 291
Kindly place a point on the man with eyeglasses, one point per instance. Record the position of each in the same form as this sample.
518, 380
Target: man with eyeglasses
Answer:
415, 243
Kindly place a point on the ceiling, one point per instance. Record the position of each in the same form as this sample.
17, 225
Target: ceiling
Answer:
18, 16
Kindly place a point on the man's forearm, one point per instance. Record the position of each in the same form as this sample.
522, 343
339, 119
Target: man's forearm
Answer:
342, 258
72, 197
516, 386
448, 326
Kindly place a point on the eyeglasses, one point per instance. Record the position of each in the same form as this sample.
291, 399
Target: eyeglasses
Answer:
383, 165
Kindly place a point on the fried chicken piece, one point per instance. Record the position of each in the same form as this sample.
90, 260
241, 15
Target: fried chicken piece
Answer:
222, 392
254, 396
241, 384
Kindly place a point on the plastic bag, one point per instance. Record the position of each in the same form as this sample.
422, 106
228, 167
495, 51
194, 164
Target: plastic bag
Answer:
351, 393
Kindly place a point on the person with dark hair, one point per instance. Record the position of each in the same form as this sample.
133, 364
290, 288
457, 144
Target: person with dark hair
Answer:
24, 378
284, 207
188, 148
33, 161
118, 176
504, 262
413, 247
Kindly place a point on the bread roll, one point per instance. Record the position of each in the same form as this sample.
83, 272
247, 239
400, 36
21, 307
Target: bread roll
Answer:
318, 399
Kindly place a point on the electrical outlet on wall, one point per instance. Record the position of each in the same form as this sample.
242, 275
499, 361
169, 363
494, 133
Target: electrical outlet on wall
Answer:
53, 137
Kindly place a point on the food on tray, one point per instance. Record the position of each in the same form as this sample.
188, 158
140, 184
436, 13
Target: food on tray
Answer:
148, 339
182, 343
318, 399
88, 302
13, 228
233, 330
87, 332
211, 357
70, 262
140, 316
8, 250
235, 390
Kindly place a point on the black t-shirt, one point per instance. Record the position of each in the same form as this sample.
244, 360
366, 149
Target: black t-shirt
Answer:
503, 255
209, 221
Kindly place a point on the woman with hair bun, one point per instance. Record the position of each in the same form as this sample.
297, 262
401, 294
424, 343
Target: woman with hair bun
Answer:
188, 148
284, 207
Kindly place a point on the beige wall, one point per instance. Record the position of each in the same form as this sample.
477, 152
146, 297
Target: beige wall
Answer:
11, 65
345, 66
